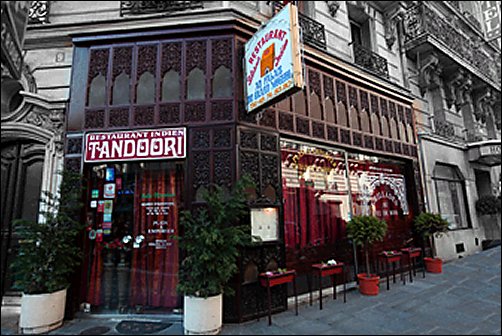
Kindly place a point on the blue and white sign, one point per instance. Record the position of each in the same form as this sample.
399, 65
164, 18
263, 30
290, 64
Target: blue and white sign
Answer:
273, 60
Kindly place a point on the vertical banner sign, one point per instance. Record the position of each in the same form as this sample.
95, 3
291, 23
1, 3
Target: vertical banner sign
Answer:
272, 61
490, 11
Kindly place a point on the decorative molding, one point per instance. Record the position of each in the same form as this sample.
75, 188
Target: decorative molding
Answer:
429, 74
39, 12
458, 89
333, 7
148, 7
391, 21
483, 106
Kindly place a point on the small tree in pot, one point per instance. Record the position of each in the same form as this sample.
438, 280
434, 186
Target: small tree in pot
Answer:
48, 255
211, 241
428, 226
364, 231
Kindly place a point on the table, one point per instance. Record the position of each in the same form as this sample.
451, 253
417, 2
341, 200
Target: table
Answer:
411, 254
391, 258
276, 279
323, 270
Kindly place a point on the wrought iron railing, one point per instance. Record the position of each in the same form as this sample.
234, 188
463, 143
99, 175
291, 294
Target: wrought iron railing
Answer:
370, 61
313, 32
421, 21
149, 7
39, 12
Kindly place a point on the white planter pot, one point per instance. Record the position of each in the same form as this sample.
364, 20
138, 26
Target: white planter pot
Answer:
41, 313
203, 316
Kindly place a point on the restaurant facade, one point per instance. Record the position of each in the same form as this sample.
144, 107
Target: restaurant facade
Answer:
156, 116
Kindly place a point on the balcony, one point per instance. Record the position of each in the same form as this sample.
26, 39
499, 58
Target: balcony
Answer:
424, 25
313, 32
370, 61
149, 7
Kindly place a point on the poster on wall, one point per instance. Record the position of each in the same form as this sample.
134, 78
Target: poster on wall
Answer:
272, 61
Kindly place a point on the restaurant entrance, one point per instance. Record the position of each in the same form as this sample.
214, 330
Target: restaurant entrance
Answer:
132, 215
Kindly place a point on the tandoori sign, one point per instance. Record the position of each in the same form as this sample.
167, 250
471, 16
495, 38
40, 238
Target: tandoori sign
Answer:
272, 61
165, 143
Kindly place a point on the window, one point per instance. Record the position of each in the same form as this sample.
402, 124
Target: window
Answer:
196, 85
97, 91
171, 86
450, 193
145, 93
121, 89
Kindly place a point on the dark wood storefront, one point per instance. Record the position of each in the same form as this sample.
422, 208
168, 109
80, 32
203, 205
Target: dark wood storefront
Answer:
193, 78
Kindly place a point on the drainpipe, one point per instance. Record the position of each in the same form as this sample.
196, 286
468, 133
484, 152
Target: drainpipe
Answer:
354, 250
422, 163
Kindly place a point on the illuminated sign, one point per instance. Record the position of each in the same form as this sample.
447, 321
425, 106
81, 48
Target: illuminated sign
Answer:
166, 143
273, 61
490, 12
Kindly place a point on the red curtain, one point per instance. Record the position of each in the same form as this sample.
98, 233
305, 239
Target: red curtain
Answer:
154, 267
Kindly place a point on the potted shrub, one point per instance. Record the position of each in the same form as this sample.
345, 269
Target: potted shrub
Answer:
47, 257
364, 231
428, 225
211, 241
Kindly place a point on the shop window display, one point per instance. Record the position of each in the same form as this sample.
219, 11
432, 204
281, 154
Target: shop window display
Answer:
322, 189
132, 214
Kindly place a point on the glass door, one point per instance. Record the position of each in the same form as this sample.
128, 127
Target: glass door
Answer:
131, 219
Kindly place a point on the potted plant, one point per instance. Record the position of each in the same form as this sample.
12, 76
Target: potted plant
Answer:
428, 225
47, 257
364, 231
211, 240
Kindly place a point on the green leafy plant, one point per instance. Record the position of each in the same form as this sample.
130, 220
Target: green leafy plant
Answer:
488, 205
364, 231
211, 241
428, 225
48, 251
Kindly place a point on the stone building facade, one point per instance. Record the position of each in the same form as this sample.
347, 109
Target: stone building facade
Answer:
372, 112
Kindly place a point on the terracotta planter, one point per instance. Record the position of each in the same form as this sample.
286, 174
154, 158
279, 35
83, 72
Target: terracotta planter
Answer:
433, 265
368, 285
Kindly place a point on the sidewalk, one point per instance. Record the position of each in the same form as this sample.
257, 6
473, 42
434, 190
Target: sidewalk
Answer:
464, 299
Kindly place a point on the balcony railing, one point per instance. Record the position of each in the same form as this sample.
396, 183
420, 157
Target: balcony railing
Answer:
421, 21
370, 61
313, 32
148, 7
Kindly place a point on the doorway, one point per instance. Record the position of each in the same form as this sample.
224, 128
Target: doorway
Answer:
132, 215
22, 168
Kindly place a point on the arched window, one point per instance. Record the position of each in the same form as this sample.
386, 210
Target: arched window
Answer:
121, 89
97, 91
341, 114
145, 90
171, 86
196, 85
375, 124
222, 83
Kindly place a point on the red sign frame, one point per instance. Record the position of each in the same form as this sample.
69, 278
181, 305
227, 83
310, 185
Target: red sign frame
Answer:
133, 145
